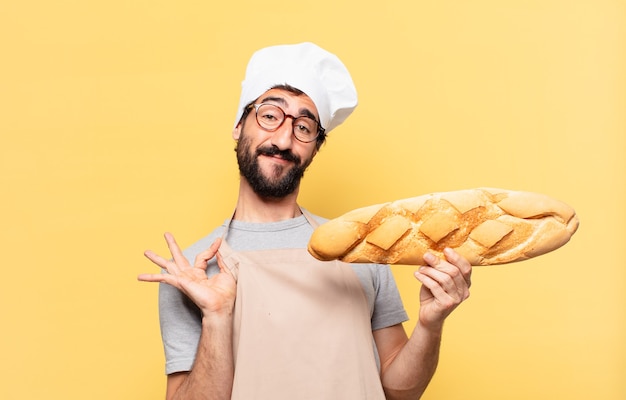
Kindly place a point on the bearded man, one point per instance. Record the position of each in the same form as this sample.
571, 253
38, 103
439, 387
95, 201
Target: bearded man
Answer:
255, 316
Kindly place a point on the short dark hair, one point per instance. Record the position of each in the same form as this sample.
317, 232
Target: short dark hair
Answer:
321, 138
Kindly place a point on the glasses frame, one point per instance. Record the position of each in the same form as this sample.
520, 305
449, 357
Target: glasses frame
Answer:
320, 130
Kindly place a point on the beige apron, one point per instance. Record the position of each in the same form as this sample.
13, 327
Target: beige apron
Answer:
301, 328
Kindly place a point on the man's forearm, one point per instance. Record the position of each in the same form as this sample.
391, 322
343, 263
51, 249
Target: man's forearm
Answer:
211, 377
412, 369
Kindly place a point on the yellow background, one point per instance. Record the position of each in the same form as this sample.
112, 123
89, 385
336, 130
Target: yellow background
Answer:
115, 121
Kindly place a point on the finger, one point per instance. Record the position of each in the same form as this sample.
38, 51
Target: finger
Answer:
177, 254
162, 278
442, 279
448, 275
224, 267
438, 292
459, 269
203, 257
150, 277
432, 260
445, 291
220, 263
461, 262
160, 261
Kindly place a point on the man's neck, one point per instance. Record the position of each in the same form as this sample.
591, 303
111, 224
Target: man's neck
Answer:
253, 208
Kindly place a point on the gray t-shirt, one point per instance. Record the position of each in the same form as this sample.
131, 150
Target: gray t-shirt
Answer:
181, 319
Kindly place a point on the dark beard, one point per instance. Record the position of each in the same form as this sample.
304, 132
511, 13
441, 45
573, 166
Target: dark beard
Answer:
271, 187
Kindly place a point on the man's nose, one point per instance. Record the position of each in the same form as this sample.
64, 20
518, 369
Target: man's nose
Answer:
283, 136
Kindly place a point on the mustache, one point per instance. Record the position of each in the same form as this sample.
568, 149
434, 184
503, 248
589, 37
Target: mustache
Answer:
275, 151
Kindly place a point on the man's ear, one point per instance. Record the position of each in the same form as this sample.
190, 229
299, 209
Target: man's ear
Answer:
237, 131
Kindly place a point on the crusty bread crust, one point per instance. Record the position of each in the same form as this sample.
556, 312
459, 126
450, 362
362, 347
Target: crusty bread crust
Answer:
486, 225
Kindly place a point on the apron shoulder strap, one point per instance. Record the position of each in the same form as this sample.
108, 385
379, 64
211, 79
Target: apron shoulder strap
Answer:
309, 218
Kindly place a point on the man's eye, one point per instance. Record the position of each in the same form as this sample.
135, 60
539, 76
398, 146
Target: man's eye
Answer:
269, 117
303, 129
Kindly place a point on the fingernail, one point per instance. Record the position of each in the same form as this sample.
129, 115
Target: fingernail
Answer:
428, 257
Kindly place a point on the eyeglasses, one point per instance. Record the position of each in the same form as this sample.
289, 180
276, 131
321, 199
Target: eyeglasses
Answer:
271, 117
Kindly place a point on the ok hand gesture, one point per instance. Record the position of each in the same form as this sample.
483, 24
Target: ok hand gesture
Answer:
214, 295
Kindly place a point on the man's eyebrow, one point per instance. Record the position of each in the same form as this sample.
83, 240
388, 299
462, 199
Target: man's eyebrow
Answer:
303, 111
307, 113
274, 98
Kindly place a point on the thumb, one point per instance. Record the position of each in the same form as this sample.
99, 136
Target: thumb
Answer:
203, 257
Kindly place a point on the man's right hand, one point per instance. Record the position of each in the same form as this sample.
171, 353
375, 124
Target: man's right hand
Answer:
215, 296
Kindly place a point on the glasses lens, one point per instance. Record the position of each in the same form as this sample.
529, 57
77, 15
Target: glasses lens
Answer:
269, 116
305, 129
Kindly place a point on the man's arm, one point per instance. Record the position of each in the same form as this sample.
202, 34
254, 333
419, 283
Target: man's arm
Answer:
212, 373
408, 364
211, 376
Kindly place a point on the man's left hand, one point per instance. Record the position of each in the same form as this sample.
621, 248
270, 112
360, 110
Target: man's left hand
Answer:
445, 285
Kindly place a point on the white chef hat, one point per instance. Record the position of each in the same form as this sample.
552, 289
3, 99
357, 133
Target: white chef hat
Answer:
307, 67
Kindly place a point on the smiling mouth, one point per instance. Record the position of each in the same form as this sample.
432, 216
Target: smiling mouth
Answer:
275, 153
277, 160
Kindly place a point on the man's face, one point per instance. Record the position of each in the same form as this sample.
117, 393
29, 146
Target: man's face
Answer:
273, 163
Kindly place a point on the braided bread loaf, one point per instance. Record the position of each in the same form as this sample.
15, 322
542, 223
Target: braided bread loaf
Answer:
487, 226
